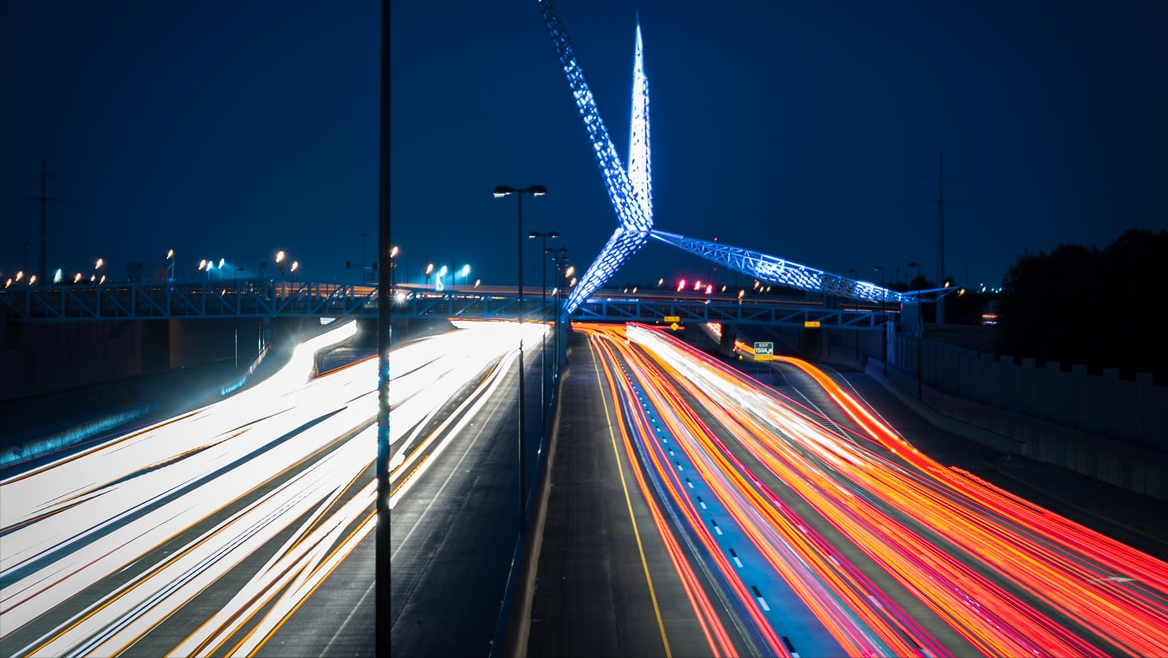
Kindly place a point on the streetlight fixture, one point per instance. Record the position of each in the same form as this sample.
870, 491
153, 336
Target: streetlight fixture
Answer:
235, 281
543, 320
500, 192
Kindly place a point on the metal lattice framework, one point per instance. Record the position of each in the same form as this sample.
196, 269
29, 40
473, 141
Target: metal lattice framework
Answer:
631, 194
777, 271
630, 191
144, 301
268, 299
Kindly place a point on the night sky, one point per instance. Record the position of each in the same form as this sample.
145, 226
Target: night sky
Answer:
807, 130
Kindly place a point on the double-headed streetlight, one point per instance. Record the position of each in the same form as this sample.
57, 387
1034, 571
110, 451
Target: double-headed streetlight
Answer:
543, 320
499, 192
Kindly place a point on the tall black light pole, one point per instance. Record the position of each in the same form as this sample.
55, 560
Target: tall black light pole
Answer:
559, 256
384, 322
543, 320
920, 328
502, 191
884, 316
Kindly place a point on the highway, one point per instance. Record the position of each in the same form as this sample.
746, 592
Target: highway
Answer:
771, 516
205, 534
802, 523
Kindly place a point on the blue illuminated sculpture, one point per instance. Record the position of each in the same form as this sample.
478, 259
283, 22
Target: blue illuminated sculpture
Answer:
631, 193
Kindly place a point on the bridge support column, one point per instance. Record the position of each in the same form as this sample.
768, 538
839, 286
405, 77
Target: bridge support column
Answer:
729, 336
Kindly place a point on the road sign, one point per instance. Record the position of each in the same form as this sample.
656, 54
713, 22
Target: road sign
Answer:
764, 351
672, 319
811, 324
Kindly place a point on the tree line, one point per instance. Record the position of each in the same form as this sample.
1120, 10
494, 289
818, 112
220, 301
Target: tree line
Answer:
1085, 305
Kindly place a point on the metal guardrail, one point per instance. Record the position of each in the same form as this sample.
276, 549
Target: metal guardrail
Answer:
260, 298
144, 301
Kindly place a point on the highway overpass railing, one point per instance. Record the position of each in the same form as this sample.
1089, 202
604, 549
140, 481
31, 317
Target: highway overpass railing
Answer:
268, 298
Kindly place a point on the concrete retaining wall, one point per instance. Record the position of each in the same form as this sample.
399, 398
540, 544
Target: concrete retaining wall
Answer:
1112, 429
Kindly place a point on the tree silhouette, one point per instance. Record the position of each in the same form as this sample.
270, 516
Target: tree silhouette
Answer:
1083, 305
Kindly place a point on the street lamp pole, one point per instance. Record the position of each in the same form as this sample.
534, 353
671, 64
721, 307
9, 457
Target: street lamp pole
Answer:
920, 328
499, 192
884, 316
543, 320
558, 258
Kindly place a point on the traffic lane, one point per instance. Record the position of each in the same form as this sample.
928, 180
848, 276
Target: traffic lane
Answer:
1000, 535
1083, 499
453, 536
592, 595
339, 619
223, 450
1056, 565
606, 584
331, 621
822, 596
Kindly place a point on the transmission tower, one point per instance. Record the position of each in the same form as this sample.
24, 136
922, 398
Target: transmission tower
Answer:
44, 230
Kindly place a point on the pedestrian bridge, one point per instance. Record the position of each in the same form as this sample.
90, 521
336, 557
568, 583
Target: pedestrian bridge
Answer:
273, 299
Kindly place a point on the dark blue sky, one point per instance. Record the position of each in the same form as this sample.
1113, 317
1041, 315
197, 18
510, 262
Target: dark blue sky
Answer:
807, 130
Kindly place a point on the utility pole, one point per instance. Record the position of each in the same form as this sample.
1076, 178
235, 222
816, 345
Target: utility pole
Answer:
941, 234
364, 269
44, 199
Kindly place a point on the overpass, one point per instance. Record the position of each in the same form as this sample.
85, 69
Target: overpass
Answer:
276, 299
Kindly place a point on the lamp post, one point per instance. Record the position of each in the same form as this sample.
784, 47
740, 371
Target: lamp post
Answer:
884, 316
559, 257
235, 277
543, 320
920, 328
499, 192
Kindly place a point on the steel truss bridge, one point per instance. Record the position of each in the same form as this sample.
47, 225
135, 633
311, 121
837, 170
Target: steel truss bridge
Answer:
276, 299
